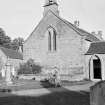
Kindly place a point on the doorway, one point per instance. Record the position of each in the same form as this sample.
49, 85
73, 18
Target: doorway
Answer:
97, 68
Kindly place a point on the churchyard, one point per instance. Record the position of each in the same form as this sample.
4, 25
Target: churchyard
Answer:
31, 87
27, 91
38, 89
26, 88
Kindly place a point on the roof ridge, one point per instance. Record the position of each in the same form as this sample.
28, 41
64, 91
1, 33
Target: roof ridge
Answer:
10, 49
37, 26
6, 48
98, 42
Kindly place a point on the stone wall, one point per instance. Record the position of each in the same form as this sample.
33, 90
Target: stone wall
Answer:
68, 57
16, 63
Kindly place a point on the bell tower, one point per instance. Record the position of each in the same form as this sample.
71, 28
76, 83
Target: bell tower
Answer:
51, 5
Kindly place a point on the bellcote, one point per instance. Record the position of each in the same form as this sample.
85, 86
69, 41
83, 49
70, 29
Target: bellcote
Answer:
51, 5
50, 2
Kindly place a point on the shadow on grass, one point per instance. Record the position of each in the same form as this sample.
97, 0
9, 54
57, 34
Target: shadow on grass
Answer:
58, 96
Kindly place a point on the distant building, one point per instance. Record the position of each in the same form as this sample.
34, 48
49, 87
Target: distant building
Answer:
14, 57
55, 42
95, 61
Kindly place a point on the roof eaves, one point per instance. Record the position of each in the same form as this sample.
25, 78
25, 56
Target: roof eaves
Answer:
33, 31
36, 26
93, 53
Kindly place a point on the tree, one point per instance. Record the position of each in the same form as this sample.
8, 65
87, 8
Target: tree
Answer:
5, 40
30, 67
17, 42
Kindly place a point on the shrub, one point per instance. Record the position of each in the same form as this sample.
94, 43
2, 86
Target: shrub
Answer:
29, 68
36, 69
24, 69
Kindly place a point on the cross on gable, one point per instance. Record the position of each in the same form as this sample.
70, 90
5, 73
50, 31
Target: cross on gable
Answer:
50, 1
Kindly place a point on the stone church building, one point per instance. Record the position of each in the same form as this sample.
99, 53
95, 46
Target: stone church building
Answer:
57, 43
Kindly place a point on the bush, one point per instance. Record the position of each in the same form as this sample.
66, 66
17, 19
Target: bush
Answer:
54, 81
36, 69
29, 68
24, 69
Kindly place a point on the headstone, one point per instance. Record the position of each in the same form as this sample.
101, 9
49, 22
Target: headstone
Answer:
13, 71
97, 94
3, 71
8, 77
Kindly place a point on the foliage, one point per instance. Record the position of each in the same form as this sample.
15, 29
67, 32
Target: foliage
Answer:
1, 63
29, 68
30, 62
52, 81
5, 40
16, 43
24, 69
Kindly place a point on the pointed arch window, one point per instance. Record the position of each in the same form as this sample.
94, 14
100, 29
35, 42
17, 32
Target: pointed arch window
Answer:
49, 40
52, 43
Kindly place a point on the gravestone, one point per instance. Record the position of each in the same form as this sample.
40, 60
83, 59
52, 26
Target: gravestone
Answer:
3, 71
13, 71
8, 76
97, 94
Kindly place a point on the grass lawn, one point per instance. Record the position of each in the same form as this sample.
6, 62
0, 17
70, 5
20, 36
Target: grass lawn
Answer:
57, 96
22, 84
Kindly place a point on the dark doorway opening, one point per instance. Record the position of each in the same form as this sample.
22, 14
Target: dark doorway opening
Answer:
97, 69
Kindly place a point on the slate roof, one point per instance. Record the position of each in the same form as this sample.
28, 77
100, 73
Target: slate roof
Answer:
96, 48
12, 53
82, 32
88, 36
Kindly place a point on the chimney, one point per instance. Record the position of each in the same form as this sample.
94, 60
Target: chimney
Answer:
76, 23
100, 34
93, 33
20, 49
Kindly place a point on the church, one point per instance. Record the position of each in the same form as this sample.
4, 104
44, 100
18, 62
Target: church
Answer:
57, 43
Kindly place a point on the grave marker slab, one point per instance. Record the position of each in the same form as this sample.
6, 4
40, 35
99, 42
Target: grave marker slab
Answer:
97, 94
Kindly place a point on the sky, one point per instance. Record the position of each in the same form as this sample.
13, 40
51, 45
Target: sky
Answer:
18, 18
